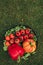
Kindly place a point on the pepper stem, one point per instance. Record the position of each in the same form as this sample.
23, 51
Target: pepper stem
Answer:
26, 56
31, 44
18, 61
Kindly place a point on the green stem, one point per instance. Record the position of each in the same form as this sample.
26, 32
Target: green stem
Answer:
18, 61
26, 56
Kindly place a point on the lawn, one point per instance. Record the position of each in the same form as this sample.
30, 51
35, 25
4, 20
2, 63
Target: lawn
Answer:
22, 12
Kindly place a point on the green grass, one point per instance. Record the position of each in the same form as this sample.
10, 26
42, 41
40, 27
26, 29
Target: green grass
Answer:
28, 12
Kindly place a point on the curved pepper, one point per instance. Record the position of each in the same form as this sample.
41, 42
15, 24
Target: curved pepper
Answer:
15, 51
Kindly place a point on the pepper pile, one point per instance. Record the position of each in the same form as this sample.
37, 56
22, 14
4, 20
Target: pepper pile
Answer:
20, 42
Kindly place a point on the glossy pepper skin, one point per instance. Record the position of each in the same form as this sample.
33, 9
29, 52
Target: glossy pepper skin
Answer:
15, 50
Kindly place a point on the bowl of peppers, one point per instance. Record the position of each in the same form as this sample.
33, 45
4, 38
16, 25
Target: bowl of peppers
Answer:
20, 42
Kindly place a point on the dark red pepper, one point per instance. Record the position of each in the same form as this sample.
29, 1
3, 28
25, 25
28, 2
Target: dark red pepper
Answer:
25, 37
27, 31
18, 33
22, 31
31, 35
15, 50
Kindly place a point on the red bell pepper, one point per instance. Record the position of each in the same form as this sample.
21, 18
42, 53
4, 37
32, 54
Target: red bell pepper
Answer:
15, 51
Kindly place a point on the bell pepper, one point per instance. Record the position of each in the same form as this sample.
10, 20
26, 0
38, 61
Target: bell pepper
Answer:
15, 51
29, 45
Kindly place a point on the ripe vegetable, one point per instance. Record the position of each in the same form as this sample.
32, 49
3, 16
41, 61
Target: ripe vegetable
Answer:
22, 31
25, 37
15, 51
21, 38
7, 38
27, 31
18, 33
12, 36
29, 45
12, 41
31, 35
17, 41
7, 43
